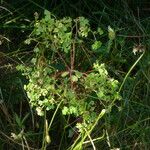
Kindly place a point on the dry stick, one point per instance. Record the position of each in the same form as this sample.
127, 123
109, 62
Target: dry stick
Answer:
72, 56
64, 61
72, 53
69, 69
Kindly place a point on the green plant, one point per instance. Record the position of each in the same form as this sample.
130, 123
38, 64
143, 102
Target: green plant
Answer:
128, 32
54, 75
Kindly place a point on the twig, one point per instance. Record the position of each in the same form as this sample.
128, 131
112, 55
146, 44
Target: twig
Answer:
72, 56
133, 36
6, 9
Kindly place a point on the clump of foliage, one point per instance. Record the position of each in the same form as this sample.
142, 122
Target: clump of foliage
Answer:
59, 76
21, 128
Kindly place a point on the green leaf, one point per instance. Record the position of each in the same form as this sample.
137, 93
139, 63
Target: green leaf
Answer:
27, 41
111, 33
33, 61
100, 31
96, 45
71, 132
64, 74
36, 50
47, 15
65, 110
25, 117
78, 74
18, 120
40, 112
20, 67
74, 78
73, 110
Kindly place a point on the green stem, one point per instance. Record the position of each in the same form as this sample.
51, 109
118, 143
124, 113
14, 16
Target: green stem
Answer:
44, 133
130, 70
78, 146
50, 124
125, 78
